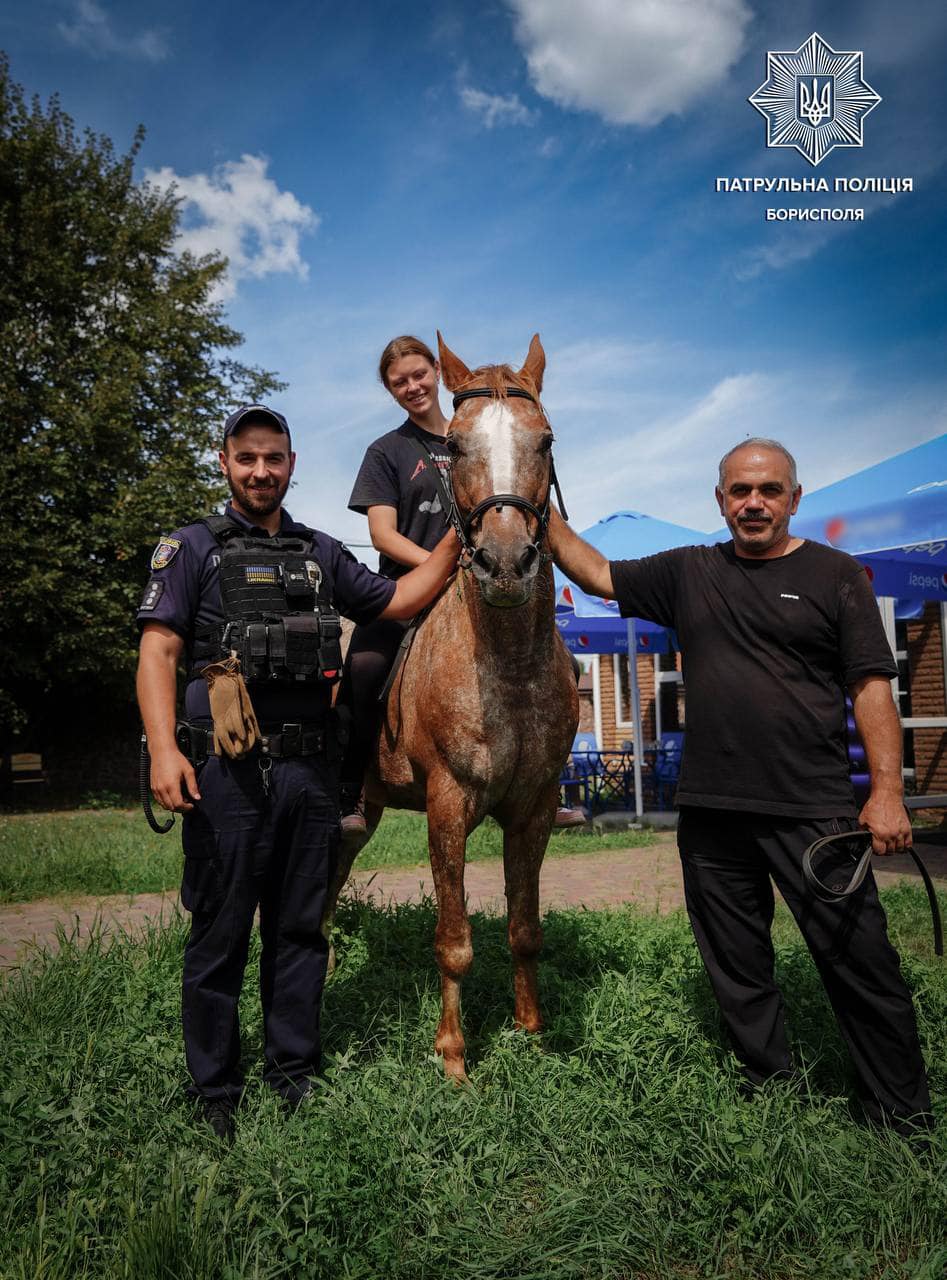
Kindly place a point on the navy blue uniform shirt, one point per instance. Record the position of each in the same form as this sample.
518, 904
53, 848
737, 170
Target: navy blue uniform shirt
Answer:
183, 593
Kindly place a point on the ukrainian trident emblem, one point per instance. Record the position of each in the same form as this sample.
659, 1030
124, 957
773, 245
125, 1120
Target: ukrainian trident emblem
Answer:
814, 99
815, 105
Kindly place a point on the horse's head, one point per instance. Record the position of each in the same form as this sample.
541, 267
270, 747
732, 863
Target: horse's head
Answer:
501, 469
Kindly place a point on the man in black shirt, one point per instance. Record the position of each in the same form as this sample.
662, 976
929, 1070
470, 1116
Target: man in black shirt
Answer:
773, 630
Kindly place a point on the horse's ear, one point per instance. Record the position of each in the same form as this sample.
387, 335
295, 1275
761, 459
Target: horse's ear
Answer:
453, 370
535, 363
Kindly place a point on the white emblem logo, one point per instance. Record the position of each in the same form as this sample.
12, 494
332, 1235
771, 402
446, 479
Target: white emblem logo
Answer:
814, 99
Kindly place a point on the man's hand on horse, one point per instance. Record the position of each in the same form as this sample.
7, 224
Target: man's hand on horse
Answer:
885, 816
168, 771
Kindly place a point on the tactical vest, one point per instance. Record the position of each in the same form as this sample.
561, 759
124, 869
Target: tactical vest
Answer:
278, 615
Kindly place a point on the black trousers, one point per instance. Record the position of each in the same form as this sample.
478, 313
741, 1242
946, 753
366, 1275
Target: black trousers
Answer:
728, 859
371, 652
245, 849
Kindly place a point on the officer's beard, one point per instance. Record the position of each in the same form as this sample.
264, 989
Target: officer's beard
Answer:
258, 500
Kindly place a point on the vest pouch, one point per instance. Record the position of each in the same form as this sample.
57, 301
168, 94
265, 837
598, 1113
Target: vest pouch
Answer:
330, 648
301, 631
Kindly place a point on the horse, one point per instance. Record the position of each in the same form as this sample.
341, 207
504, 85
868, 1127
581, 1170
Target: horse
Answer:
483, 710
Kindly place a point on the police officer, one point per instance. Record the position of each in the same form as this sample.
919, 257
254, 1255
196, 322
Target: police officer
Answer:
260, 830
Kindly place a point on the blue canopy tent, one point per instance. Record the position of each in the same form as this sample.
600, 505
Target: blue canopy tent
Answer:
891, 516
591, 625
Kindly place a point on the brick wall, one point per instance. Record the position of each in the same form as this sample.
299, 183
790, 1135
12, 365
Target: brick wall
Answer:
586, 705
926, 676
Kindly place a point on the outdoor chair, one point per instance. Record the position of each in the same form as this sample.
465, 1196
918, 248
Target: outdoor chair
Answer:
667, 768
580, 771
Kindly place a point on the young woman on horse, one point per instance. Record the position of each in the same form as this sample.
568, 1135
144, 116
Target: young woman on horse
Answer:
397, 489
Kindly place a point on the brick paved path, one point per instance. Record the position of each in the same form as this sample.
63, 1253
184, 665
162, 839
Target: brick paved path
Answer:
649, 878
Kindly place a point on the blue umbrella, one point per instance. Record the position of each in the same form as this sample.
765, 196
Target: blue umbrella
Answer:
624, 535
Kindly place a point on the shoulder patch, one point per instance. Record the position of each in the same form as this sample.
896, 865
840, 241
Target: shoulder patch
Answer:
153, 593
165, 552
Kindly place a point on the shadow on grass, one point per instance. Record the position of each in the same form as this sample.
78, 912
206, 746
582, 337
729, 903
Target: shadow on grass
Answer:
387, 978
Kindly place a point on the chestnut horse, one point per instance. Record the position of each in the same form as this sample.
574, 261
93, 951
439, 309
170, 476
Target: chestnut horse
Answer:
483, 711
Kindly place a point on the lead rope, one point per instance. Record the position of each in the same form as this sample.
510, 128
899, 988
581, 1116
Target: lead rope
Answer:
831, 893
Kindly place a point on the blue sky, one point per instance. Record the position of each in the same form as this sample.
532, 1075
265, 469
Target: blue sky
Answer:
501, 168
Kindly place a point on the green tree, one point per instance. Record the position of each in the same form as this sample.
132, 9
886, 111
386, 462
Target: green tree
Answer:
115, 376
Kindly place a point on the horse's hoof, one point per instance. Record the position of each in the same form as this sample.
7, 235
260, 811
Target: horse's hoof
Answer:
532, 1027
454, 1070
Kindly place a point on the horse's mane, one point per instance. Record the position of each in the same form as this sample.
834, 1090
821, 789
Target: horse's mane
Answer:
497, 377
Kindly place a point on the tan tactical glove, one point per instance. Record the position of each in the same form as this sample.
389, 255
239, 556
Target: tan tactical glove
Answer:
235, 725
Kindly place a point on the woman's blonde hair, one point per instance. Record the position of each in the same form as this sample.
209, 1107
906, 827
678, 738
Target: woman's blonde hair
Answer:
406, 345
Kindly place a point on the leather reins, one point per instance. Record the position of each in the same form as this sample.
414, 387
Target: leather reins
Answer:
838, 893
463, 524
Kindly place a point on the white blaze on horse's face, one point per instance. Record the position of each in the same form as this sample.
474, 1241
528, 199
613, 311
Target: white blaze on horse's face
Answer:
500, 453
492, 439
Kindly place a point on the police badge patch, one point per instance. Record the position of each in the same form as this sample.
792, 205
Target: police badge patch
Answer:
165, 552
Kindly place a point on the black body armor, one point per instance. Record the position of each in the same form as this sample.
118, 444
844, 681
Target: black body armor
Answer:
278, 616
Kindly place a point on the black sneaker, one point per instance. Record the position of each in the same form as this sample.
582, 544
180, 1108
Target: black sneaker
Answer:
218, 1112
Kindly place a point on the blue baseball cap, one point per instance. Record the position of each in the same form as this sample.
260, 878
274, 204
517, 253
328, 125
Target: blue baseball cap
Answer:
256, 413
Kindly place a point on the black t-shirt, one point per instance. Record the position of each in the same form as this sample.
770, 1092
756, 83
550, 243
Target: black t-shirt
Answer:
394, 474
768, 648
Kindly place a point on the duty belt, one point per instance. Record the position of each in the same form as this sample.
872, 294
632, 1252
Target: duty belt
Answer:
197, 742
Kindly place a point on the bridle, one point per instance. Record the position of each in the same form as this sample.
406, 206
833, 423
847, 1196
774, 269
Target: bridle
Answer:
463, 524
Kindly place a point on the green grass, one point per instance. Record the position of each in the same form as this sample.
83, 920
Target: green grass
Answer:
618, 1146
114, 851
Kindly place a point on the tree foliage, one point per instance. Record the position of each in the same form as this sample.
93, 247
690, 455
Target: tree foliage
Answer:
115, 375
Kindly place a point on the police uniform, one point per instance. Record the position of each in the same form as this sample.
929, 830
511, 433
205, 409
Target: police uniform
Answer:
266, 829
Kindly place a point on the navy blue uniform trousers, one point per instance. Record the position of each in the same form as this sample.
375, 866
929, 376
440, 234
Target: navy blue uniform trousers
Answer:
244, 849
728, 858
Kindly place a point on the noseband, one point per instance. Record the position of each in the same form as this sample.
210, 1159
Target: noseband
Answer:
464, 524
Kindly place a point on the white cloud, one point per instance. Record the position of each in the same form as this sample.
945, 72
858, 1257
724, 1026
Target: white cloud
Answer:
667, 465
494, 109
631, 61
92, 31
241, 213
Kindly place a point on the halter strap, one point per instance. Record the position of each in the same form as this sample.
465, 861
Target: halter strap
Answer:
486, 391
499, 500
